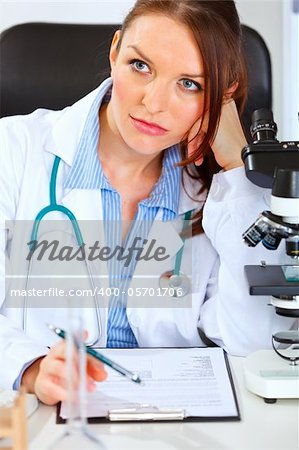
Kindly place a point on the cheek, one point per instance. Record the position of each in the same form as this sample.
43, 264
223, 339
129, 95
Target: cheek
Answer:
124, 90
186, 115
119, 89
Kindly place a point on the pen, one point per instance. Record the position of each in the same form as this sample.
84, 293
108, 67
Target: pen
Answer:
118, 368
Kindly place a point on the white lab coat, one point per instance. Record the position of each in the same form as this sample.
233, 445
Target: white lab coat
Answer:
221, 305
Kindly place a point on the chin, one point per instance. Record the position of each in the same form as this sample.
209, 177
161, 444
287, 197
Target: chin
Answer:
144, 146
148, 150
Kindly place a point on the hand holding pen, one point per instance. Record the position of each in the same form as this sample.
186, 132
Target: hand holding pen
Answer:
100, 357
46, 377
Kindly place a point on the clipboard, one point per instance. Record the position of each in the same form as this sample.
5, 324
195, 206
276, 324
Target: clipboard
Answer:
141, 413
146, 412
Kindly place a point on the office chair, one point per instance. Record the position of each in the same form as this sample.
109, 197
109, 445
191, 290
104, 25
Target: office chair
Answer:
52, 65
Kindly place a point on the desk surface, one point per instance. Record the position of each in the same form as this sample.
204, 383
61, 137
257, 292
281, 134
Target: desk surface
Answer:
263, 427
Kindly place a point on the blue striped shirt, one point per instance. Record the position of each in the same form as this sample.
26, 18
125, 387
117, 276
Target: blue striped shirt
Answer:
87, 173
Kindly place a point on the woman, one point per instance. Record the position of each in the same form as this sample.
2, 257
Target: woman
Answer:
177, 80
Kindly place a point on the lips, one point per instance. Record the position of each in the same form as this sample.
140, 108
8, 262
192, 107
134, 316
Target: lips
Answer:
149, 128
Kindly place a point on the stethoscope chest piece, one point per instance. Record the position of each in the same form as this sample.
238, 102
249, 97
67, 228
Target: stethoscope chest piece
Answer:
177, 285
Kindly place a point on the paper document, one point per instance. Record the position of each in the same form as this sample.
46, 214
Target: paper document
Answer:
196, 380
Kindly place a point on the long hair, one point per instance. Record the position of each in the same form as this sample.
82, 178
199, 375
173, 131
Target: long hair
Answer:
216, 27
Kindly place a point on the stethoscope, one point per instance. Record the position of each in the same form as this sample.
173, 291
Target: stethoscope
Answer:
176, 282
52, 207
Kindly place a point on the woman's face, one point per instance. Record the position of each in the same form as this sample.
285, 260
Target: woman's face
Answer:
158, 84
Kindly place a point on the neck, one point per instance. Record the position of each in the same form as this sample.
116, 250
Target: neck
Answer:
113, 152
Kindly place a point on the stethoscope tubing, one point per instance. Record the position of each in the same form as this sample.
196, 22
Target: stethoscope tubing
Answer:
54, 206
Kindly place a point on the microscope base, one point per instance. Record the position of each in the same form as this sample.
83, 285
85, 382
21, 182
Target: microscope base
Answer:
271, 377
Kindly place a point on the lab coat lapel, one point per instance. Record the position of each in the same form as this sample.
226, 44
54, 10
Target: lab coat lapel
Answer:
86, 204
67, 131
166, 234
189, 198
163, 235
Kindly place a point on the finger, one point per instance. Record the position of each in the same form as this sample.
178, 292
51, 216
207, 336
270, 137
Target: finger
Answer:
96, 370
92, 361
198, 162
195, 130
51, 393
197, 133
90, 384
53, 366
58, 369
58, 350
193, 148
96, 374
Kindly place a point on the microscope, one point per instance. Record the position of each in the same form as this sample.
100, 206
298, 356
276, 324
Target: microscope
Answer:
274, 374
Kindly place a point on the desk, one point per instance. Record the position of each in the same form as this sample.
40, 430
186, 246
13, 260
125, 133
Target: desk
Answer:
263, 427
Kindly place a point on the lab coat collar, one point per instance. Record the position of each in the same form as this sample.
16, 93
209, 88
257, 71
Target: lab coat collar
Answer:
67, 131
189, 198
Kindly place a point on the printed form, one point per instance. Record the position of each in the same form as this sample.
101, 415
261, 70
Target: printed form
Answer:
196, 380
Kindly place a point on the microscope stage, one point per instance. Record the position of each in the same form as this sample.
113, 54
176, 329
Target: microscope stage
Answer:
269, 280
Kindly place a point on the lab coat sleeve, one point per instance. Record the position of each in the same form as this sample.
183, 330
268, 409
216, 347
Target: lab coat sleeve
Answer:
16, 349
230, 317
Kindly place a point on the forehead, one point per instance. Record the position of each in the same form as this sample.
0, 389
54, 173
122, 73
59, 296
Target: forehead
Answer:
166, 38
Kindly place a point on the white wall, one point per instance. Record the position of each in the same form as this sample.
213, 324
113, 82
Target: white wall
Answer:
268, 17
100, 11
279, 27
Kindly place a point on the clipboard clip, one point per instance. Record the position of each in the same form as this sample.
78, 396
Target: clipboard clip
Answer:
145, 412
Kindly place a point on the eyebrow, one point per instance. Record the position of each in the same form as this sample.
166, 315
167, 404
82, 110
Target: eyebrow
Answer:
137, 50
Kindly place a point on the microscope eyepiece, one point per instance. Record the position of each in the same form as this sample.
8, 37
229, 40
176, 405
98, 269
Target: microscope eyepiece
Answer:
263, 127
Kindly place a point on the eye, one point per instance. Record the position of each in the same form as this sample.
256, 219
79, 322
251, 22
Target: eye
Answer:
190, 85
139, 66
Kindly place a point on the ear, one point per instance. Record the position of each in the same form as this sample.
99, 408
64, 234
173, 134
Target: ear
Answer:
229, 93
114, 50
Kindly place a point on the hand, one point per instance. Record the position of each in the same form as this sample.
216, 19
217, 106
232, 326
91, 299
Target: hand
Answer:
229, 139
47, 377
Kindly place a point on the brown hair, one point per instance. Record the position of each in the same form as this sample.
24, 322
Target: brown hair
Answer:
216, 27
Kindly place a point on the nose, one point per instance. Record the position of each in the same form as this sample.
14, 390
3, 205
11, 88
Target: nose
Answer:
155, 97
